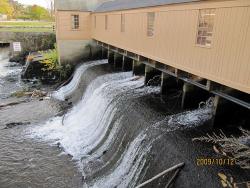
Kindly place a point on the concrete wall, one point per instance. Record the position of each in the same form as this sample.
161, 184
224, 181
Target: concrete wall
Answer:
30, 42
174, 39
73, 51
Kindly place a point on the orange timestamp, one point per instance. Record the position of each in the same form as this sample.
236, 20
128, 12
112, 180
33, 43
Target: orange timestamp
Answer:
206, 161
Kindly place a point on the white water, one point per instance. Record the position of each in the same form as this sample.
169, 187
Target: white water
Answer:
4, 61
67, 90
85, 126
128, 169
8, 74
89, 119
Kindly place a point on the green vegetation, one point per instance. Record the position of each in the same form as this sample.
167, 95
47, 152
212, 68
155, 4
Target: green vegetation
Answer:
34, 18
6, 8
15, 10
51, 64
26, 26
50, 60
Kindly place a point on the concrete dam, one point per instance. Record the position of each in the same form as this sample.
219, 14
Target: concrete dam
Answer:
159, 97
118, 131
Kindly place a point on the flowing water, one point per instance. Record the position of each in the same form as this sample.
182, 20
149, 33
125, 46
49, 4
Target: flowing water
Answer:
9, 74
109, 148
66, 91
119, 134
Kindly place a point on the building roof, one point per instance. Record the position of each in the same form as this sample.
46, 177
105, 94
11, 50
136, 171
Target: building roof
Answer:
115, 5
78, 5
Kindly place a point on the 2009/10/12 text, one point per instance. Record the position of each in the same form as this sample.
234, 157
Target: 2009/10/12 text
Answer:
215, 162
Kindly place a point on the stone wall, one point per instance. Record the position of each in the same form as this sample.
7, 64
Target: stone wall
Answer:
30, 42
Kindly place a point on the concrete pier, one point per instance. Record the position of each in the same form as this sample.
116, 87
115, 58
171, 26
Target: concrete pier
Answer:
104, 53
138, 68
169, 84
228, 114
192, 96
118, 61
127, 64
152, 76
111, 58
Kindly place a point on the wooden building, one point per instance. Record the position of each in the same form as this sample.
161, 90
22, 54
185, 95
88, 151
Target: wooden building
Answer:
206, 38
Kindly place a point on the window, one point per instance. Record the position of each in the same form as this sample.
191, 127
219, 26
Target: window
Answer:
106, 22
150, 24
122, 23
205, 27
95, 22
75, 21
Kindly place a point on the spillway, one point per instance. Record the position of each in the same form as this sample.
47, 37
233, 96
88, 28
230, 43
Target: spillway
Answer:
111, 132
65, 91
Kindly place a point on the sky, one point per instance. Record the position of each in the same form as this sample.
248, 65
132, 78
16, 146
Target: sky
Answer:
43, 3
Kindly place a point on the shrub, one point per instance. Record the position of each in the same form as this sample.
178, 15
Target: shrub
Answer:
231, 147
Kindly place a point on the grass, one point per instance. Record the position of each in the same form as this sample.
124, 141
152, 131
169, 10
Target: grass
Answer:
26, 26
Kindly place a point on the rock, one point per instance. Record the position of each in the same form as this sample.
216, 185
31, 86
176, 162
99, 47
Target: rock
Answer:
38, 94
12, 125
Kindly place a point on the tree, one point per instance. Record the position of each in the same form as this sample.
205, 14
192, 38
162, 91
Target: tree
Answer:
51, 4
18, 9
38, 13
6, 8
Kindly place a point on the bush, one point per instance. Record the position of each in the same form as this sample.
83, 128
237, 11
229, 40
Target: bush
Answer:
231, 147
51, 64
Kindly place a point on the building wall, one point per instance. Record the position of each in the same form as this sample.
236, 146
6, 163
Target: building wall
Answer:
72, 44
64, 29
227, 61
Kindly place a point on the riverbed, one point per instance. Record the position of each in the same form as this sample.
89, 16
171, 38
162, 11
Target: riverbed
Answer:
103, 129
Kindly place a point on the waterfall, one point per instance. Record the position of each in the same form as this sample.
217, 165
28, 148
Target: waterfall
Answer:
90, 118
4, 61
65, 91
110, 146
130, 167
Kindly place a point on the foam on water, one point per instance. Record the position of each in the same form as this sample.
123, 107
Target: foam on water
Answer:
128, 169
4, 61
93, 121
65, 91
85, 124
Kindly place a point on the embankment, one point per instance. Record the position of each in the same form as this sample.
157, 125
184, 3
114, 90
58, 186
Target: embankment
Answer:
30, 42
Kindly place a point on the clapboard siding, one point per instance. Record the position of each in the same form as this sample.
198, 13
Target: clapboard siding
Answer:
227, 61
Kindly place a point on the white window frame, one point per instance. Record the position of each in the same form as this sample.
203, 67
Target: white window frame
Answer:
75, 21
